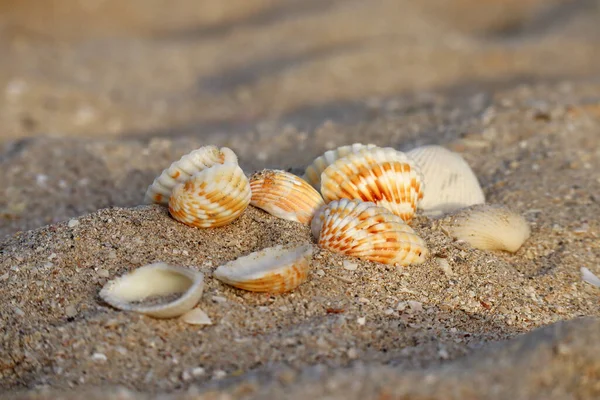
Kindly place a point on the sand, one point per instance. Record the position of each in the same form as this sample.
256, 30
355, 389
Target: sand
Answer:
87, 124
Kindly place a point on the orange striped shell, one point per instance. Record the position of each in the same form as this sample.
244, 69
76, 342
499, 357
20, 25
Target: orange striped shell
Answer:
284, 195
183, 169
212, 197
363, 230
384, 176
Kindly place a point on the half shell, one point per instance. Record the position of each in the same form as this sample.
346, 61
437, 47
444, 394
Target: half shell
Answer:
451, 184
212, 197
274, 269
384, 176
284, 195
363, 230
313, 172
180, 171
159, 279
489, 227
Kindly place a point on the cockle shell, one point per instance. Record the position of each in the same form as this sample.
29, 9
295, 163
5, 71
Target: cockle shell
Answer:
284, 195
275, 269
451, 184
180, 171
212, 197
313, 172
363, 230
159, 279
489, 227
384, 176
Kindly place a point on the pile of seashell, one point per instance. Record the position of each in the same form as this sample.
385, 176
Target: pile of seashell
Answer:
368, 197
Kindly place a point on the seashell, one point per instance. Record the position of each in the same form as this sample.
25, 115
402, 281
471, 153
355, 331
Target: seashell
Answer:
274, 269
180, 171
159, 279
589, 277
451, 183
317, 222
196, 316
212, 197
488, 227
364, 230
313, 172
384, 176
284, 195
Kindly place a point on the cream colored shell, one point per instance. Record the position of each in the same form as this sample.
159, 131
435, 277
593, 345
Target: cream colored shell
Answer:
313, 172
489, 227
384, 176
363, 230
212, 197
183, 169
284, 195
450, 182
130, 290
275, 269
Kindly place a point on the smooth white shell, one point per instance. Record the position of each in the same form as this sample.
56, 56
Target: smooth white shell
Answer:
489, 227
180, 171
275, 269
196, 316
450, 183
157, 279
589, 277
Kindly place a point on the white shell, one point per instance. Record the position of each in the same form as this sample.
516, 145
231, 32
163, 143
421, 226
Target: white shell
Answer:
275, 269
317, 222
157, 279
180, 171
212, 197
589, 277
313, 172
384, 176
450, 182
489, 227
196, 316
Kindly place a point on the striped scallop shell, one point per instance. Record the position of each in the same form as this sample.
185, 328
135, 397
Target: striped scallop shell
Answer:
384, 176
130, 290
489, 227
363, 230
284, 195
274, 269
212, 197
451, 184
182, 170
313, 172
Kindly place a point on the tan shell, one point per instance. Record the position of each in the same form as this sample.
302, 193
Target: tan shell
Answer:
157, 279
384, 176
275, 269
313, 172
363, 230
284, 195
451, 183
212, 197
182, 170
489, 227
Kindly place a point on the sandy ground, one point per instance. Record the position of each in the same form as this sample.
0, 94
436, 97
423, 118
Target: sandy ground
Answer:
99, 98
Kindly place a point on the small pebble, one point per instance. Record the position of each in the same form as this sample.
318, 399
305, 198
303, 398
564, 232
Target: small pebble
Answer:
72, 223
361, 321
320, 272
99, 357
352, 353
415, 306
102, 273
219, 299
350, 266
219, 374
70, 311
198, 371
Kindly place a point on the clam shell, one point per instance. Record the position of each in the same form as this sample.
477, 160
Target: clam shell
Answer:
589, 277
384, 176
364, 230
212, 197
313, 172
183, 169
284, 195
451, 184
489, 227
274, 269
196, 316
157, 279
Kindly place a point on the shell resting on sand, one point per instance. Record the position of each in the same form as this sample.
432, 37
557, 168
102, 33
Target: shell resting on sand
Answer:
489, 227
180, 171
157, 279
384, 176
363, 230
450, 182
275, 269
212, 197
284, 195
